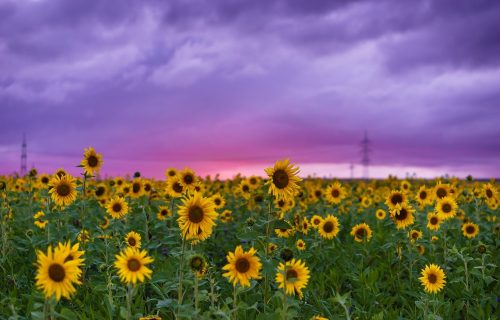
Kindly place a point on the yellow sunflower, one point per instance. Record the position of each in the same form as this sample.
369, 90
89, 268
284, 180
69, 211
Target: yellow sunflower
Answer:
92, 161
470, 230
218, 200
196, 216
361, 232
73, 251
423, 197
117, 207
414, 235
292, 276
490, 192
284, 233
402, 214
188, 179
174, 187
283, 180
163, 213
395, 197
137, 188
446, 208
380, 214
316, 221
242, 266
433, 278
131, 265
38, 220
63, 190
300, 244
55, 276
170, 172
329, 227
441, 190
433, 221
133, 239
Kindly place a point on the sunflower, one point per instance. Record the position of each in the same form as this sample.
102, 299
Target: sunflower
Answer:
423, 197
188, 179
414, 235
196, 216
170, 173
38, 220
60, 172
283, 179
405, 186
271, 247
284, 233
174, 187
470, 230
292, 276
316, 221
218, 200
131, 264
329, 227
137, 188
490, 192
446, 208
63, 190
304, 227
420, 249
92, 161
441, 190
55, 276
242, 266
151, 317
402, 215
163, 213
361, 232
133, 239
395, 197
380, 214
44, 180
83, 236
117, 207
433, 278
433, 221
317, 317
244, 189
73, 251
101, 191
105, 224
198, 265
300, 244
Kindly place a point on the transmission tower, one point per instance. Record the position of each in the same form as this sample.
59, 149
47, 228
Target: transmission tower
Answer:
365, 150
24, 157
351, 167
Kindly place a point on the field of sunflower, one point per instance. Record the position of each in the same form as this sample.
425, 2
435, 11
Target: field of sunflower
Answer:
278, 247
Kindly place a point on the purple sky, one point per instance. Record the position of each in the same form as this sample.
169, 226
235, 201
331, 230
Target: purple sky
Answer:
233, 85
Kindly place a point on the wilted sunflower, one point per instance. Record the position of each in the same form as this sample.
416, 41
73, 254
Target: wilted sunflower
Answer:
242, 266
414, 235
63, 190
395, 197
380, 214
292, 276
433, 278
283, 179
446, 208
55, 276
117, 207
174, 187
38, 220
300, 244
196, 216
361, 232
133, 239
470, 230
163, 213
402, 214
329, 227
433, 221
335, 193
92, 161
131, 264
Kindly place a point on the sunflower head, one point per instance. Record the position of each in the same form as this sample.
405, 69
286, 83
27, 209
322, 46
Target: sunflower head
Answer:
395, 197
242, 266
198, 265
63, 189
117, 207
402, 214
283, 180
196, 216
329, 227
131, 264
91, 162
361, 232
470, 230
293, 276
133, 239
433, 278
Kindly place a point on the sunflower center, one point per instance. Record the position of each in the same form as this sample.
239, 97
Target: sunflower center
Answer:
441, 193
397, 198
132, 242
100, 191
446, 208
196, 263
361, 233
335, 193
45, 180
423, 195
245, 188
188, 179
291, 274
177, 187
434, 220
63, 190
402, 214
432, 278
136, 187
489, 193
414, 235
317, 193
328, 227
133, 264
56, 272
470, 229
217, 201
163, 212
92, 161
195, 214
242, 265
280, 179
117, 207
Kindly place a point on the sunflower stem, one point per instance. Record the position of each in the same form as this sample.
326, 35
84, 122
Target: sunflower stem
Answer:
129, 302
181, 274
235, 305
285, 316
196, 298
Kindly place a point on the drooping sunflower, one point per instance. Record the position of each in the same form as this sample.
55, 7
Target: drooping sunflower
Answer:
91, 162
188, 179
133, 239
163, 213
196, 215
423, 197
38, 220
117, 207
361, 232
395, 197
131, 264
414, 235
402, 214
433, 221
283, 179
380, 214
433, 278
329, 227
300, 244
316, 221
446, 208
470, 230
292, 276
55, 276
174, 187
242, 266
63, 190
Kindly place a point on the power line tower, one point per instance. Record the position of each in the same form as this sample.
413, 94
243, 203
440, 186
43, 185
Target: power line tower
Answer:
365, 150
351, 167
24, 157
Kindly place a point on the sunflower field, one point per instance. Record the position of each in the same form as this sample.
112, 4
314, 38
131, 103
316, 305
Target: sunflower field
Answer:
275, 246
